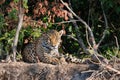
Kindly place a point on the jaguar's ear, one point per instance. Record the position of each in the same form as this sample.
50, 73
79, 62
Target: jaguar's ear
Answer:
61, 32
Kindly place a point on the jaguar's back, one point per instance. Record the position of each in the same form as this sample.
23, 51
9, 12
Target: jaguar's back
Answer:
44, 49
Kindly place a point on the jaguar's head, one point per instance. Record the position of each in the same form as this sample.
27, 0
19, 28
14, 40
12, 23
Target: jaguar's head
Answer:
54, 38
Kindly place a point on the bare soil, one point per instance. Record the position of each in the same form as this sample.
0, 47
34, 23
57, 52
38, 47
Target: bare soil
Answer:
43, 71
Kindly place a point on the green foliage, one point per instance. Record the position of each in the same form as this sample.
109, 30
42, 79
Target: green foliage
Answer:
70, 45
24, 3
81, 8
1, 27
33, 32
6, 41
6, 35
13, 15
2, 20
16, 1
110, 52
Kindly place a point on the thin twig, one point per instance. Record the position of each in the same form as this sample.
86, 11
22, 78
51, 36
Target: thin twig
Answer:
89, 12
110, 68
88, 71
117, 46
87, 38
66, 22
62, 22
70, 36
116, 53
106, 26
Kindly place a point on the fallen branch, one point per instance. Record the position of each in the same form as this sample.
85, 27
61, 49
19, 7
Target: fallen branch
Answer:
110, 68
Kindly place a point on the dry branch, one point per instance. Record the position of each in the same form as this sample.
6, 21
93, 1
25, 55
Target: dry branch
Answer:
63, 22
82, 21
110, 68
91, 36
18, 30
80, 41
117, 44
106, 26
95, 56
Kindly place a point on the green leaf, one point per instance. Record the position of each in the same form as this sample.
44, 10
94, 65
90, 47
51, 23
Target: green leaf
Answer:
70, 28
13, 14
36, 33
25, 4
16, 1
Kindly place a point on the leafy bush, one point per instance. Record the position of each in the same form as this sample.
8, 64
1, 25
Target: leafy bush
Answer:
41, 19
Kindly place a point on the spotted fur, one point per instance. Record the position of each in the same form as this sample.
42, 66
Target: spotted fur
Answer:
44, 49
